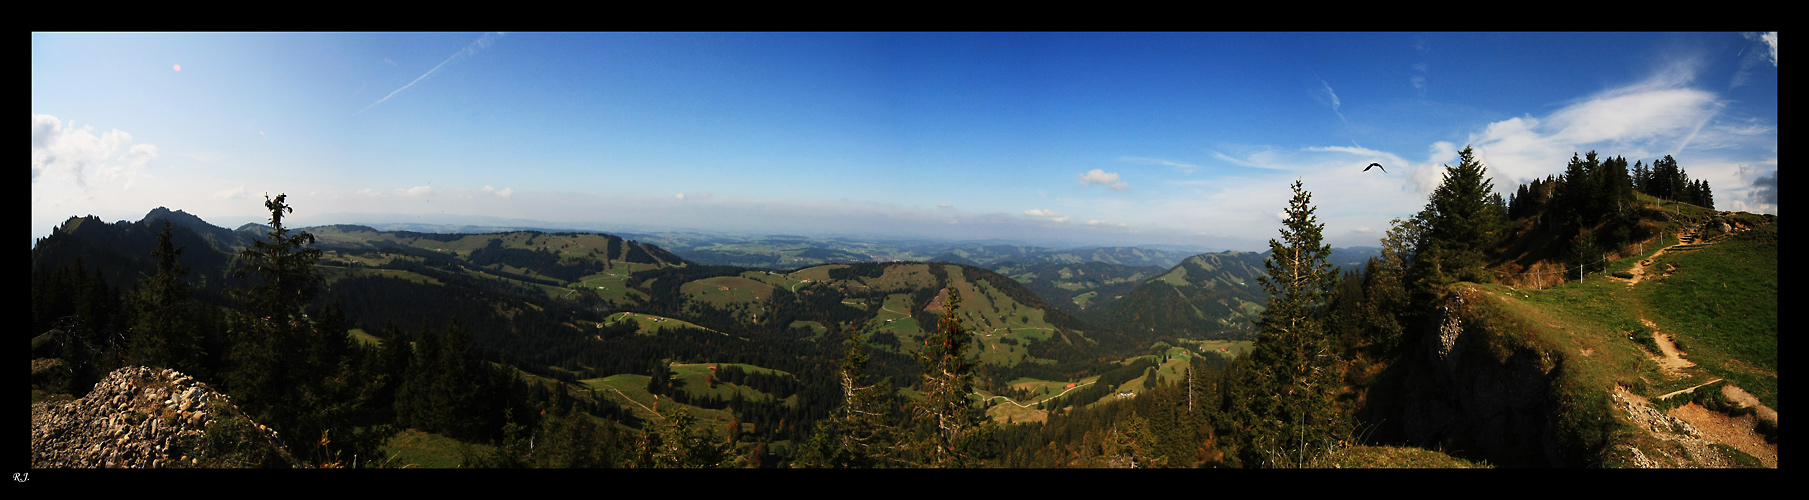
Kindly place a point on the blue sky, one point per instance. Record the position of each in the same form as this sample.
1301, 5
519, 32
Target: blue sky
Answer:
1048, 138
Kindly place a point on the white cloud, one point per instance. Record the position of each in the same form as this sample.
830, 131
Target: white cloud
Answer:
1633, 116
1184, 167
81, 154
1265, 159
416, 192
1763, 191
140, 154
504, 192
1770, 39
1047, 214
1647, 119
1103, 178
1756, 56
1334, 102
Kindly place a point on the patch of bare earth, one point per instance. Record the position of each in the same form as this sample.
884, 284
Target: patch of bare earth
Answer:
1696, 430
1672, 361
1699, 451
1732, 431
1639, 269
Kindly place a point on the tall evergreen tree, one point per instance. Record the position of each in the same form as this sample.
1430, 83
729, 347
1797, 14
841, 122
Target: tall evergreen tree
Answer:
1459, 225
859, 434
1385, 286
416, 403
681, 443
1641, 177
165, 333
1617, 187
1285, 392
1668, 180
269, 330
952, 423
457, 385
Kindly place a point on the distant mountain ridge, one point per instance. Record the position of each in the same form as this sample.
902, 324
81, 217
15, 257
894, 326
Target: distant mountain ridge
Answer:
1120, 288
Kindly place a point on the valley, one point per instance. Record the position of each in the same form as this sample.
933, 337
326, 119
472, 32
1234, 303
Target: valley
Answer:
579, 316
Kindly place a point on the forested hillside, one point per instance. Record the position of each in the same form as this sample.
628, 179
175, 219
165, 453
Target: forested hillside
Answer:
627, 355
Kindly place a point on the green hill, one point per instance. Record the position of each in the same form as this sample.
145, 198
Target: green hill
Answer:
1205, 296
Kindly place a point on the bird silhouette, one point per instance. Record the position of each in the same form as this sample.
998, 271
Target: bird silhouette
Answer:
1375, 165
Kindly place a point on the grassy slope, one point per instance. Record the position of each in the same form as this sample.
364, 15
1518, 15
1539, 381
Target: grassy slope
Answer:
1722, 303
1722, 300
650, 324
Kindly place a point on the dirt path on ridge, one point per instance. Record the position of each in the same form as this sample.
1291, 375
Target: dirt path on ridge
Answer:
1639, 268
1671, 360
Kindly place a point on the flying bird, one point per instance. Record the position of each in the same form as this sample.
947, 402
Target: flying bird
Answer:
1375, 165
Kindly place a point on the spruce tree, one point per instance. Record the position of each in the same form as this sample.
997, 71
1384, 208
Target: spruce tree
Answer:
859, 434
269, 330
682, 444
1284, 403
1460, 222
947, 416
165, 333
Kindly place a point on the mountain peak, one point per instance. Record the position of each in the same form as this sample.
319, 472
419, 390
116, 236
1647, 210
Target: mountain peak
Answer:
177, 217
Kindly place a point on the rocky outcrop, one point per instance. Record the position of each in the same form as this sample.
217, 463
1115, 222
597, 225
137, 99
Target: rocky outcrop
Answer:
1482, 401
141, 417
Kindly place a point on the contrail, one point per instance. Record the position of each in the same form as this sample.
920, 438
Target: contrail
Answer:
481, 43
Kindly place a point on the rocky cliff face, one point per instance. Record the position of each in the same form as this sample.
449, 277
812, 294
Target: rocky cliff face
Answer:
1483, 401
140, 417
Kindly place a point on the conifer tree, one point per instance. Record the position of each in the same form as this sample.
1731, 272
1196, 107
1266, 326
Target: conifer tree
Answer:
859, 434
682, 444
1459, 223
165, 333
1284, 405
952, 423
1385, 286
269, 328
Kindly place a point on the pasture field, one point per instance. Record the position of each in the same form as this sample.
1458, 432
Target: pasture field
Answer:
332, 274
894, 317
611, 286
691, 377
1176, 277
1002, 409
774, 279
902, 277
817, 274
1083, 299
650, 324
1227, 348
728, 291
816, 328
413, 449
630, 391
365, 337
